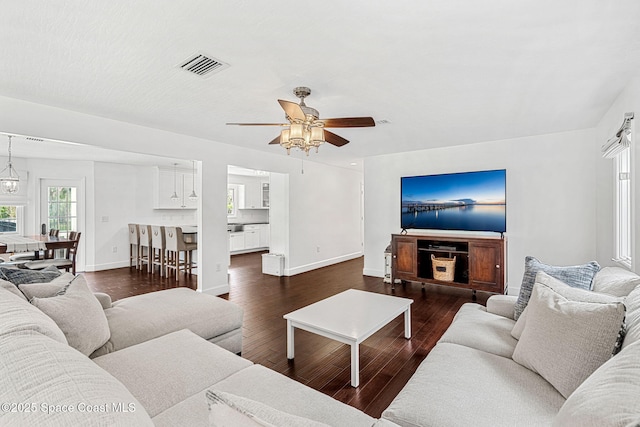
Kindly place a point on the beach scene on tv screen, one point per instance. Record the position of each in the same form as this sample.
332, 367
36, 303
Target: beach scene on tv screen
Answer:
473, 201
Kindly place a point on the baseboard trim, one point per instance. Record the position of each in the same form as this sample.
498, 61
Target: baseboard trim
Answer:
320, 264
372, 272
108, 266
216, 290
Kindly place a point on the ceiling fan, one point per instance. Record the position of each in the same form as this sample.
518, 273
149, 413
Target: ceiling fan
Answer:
305, 129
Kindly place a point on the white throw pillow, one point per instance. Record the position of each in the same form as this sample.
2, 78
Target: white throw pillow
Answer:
229, 410
609, 397
632, 302
79, 314
45, 289
615, 281
566, 341
569, 292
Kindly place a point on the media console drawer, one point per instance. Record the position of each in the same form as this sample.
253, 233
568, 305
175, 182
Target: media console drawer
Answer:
480, 261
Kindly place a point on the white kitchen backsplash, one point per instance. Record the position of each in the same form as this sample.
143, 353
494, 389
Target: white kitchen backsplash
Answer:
250, 216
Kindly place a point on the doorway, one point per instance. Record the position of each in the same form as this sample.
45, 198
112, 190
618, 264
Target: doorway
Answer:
62, 208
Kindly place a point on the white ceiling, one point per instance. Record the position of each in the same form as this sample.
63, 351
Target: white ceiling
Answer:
443, 72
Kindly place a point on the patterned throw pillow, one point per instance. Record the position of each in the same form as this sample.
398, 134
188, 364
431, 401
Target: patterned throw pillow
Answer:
577, 276
20, 276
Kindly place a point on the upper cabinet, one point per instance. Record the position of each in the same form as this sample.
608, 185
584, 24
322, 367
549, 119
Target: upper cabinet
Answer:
166, 182
253, 195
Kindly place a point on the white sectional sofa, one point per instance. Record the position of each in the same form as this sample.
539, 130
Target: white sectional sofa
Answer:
174, 377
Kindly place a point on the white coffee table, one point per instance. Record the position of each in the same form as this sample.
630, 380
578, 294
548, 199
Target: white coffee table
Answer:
350, 317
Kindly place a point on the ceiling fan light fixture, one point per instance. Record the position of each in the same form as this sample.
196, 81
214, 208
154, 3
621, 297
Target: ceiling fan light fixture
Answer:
296, 133
317, 136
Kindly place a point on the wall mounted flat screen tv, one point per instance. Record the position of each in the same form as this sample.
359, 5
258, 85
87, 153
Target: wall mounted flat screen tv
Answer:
470, 201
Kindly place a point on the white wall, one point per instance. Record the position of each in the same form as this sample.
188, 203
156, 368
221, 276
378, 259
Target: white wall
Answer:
320, 215
551, 203
627, 101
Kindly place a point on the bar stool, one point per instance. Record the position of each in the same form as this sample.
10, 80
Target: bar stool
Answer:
145, 256
175, 245
134, 245
158, 248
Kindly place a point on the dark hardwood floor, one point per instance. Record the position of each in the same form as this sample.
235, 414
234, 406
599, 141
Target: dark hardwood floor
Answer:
387, 359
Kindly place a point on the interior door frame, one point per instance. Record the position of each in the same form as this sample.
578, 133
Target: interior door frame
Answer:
41, 202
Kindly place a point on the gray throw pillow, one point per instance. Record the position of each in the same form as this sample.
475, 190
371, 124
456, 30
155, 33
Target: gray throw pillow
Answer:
19, 276
577, 276
78, 314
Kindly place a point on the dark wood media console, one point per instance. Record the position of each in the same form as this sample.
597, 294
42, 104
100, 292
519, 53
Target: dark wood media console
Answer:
480, 261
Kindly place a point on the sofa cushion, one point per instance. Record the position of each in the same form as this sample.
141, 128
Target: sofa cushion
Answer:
565, 341
17, 316
474, 327
632, 303
461, 386
615, 281
166, 370
609, 397
570, 293
66, 387
78, 314
578, 276
18, 276
143, 317
277, 391
45, 289
4, 284
229, 409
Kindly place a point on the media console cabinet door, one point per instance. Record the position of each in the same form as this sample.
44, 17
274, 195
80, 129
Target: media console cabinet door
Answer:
405, 257
485, 262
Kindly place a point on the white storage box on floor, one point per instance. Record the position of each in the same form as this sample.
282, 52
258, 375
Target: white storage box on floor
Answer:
273, 264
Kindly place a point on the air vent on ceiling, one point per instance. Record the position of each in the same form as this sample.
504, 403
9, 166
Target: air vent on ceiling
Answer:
30, 138
383, 122
202, 65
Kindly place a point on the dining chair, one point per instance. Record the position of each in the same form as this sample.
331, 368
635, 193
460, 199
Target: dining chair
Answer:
68, 262
144, 251
158, 249
134, 245
175, 247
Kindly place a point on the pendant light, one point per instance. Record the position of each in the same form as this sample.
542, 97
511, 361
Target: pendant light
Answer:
10, 183
193, 195
174, 196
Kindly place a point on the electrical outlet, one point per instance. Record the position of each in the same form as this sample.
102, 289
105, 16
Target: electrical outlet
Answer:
114, 249
318, 249
217, 267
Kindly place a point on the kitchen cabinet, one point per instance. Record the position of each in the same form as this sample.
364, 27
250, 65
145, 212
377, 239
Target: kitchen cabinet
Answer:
251, 236
265, 233
265, 195
252, 196
236, 241
166, 182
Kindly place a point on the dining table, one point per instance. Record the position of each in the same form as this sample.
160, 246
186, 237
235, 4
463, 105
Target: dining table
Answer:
15, 244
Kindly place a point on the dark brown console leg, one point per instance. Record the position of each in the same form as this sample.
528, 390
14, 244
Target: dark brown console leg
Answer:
473, 296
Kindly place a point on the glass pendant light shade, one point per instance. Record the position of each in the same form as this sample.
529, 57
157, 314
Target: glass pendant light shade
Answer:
10, 184
174, 196
193, 195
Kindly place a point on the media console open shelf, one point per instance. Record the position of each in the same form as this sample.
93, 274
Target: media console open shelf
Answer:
480, 261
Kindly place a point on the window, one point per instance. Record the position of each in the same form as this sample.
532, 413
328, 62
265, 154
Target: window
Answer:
232, 196
62, 203
623, 208
11, 219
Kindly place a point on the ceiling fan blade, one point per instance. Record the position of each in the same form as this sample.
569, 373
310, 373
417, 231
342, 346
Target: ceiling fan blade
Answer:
259, 124
334, 139
349, 122
275, 140
292, 109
